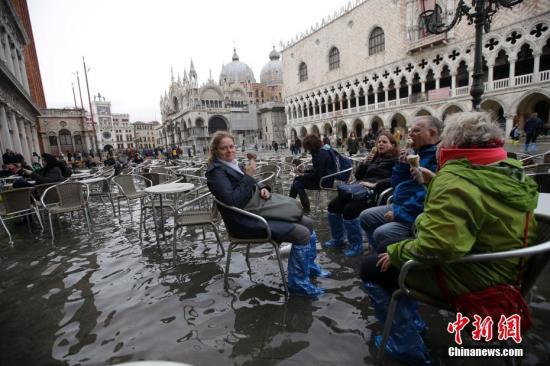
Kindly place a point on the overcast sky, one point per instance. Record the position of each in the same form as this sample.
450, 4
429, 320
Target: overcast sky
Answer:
130, 45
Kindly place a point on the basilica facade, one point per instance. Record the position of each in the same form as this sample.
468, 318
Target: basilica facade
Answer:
236, 103
373, 65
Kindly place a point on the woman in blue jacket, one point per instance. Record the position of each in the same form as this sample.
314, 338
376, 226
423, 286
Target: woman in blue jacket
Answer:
323, 164
234, 185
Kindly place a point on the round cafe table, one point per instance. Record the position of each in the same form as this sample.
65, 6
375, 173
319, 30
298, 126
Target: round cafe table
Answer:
168, 188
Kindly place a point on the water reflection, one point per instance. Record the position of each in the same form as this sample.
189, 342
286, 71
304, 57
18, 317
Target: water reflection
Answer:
109, 297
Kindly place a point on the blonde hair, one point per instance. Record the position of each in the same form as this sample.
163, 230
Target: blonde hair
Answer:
217, 137
468, 129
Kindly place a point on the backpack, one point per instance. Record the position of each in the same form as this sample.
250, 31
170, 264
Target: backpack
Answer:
342, 163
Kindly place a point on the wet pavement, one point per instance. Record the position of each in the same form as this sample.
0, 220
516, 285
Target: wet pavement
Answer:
108, 298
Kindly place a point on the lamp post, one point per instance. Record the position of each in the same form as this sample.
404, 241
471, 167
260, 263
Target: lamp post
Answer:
480, 13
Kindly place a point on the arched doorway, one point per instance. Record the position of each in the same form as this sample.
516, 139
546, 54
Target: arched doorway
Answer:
342, 130
423, 112
398, 122
535, 102
65, 141
315, 130
303, 132
358, 128
452, 109
293, 134
376, 125
216, 123
327, 129
496, 111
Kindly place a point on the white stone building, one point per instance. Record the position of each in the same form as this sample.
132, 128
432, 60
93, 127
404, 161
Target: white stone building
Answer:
123, 131
372, 65
18, 112
65, 130
190, 114
144, 134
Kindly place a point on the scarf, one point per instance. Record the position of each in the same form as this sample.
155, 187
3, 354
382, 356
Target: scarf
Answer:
478, 156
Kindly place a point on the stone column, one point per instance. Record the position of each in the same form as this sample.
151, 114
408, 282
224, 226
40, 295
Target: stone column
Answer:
422, 86
341, 104
30, 141
453, 83
512, 74
375, 100
397, 95
35, 137
357, 101
15, 129
24, 141
437, 82
491, 67
409, 88
536, 67
7, 142
386, 96
349, 103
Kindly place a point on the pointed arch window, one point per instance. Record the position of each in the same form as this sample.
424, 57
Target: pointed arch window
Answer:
333, 58
376, 41
302, 71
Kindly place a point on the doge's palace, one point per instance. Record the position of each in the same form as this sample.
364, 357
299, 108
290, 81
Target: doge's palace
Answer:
372, 64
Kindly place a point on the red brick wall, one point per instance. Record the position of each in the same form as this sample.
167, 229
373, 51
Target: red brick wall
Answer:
31, 59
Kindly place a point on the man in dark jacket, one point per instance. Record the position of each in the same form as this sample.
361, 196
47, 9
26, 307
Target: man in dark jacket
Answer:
533, 126
389, 224
323, 164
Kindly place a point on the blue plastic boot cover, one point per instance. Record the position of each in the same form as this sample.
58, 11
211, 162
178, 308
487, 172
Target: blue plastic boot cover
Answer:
355, 238
337, 231
314, 268
404, 342
380, 300
419, 323
298, 273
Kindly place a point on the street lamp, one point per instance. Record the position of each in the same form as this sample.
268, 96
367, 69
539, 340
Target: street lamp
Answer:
480, 14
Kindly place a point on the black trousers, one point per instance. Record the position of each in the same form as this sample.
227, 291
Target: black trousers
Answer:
347, 208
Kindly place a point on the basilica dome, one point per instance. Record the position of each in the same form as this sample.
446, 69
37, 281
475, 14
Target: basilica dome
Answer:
236, 71
272, 72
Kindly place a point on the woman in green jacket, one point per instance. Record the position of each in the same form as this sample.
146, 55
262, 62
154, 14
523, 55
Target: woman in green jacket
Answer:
478, 202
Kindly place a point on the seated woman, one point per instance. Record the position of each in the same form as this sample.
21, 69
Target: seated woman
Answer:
323, 164
373, 173
234, 185
52, 172
479, 202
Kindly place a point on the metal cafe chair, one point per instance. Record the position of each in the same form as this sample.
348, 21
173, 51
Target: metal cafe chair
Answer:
235, 240
18, 203
127, 190
71, 198
197, 211
538, 257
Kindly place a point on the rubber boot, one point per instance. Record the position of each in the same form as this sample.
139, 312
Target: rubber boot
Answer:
404, 342
298, 273
337, 231
314, 268
355, 238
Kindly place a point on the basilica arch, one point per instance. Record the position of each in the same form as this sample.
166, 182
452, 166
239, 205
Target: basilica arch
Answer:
496, 109
398, 121
303, 132
451, 109
376, 124
534, 102
217, 123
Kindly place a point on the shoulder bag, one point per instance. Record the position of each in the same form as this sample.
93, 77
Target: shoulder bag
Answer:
277, 207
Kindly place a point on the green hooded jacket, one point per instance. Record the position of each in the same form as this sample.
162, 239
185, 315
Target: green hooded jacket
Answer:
472, 209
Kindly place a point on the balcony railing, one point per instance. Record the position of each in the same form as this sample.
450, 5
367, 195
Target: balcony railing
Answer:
521, 80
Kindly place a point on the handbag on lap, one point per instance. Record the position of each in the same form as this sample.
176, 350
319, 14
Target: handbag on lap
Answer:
277, 207
354, 192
